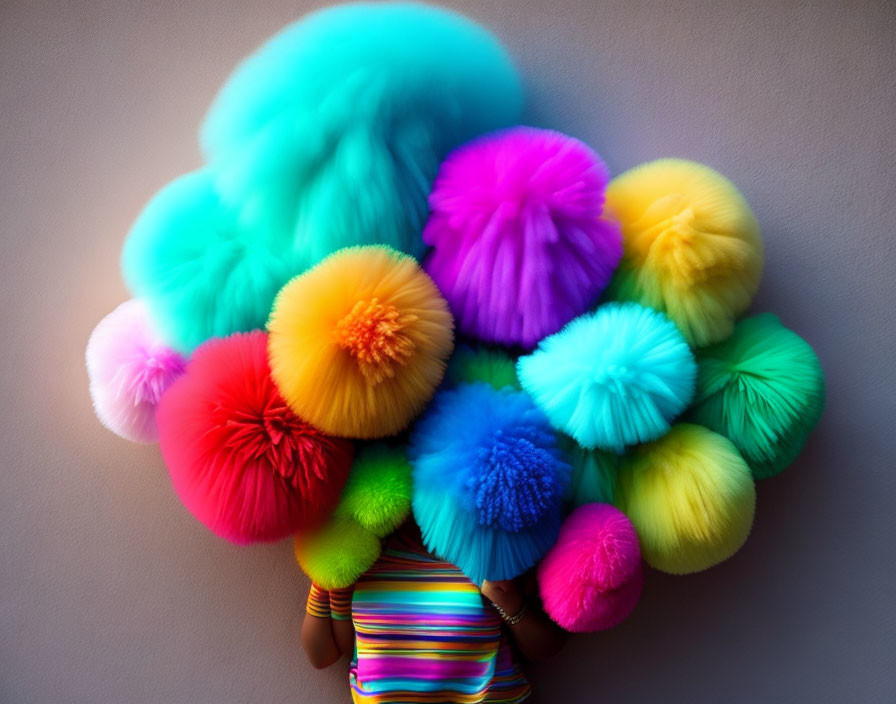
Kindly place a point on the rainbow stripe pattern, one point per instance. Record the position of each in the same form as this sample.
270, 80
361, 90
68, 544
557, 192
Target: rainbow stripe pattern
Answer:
424, 634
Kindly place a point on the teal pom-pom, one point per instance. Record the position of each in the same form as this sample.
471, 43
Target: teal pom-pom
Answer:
594, 474
489, 481
763, 389
612, 378
378, 492
469, 365
329, 136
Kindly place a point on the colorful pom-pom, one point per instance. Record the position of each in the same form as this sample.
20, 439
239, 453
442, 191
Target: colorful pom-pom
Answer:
691, 498
358, 344
520, 246
591, 579
241, 461
692, 246
130, 366
337, 554
469, 365
330, 135
378, 492
612, 378
488, 481
763, 389
593, 477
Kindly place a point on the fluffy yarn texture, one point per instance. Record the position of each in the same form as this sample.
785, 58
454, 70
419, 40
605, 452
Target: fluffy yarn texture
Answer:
591, 579
336, 555
378, 492
130, 366
488, 481
520, 246
691, 497
241, 461
328, 136
692, 246
358, 344
593, 477
612, 378
763, 389
491, 366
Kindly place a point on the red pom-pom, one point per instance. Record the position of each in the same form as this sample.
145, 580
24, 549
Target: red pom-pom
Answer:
241, 461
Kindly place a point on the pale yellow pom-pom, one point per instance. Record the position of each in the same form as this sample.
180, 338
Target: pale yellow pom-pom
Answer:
690, 496
691, 246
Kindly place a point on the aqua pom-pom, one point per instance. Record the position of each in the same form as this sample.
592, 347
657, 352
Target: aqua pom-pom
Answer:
489, 481
329, 136
762, 388
612, 378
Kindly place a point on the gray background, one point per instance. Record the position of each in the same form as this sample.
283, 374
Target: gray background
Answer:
111, 592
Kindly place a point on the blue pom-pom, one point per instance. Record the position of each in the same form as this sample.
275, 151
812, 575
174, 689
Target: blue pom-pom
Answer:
612, 378
515, 479
489, 480
329, 136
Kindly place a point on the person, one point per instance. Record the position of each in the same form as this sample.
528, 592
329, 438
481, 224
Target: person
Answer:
419, 630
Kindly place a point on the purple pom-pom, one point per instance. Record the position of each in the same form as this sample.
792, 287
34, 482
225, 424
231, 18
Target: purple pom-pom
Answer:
520, 247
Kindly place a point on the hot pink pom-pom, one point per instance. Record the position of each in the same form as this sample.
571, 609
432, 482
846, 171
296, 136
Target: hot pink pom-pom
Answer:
591, 579
241, 461
519, 244
130, 367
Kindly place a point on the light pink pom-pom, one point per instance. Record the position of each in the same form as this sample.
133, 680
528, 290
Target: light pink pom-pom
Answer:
520, 244
591, 579
130, 366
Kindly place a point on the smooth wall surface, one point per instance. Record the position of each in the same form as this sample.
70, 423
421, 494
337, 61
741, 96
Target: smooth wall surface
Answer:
111, 592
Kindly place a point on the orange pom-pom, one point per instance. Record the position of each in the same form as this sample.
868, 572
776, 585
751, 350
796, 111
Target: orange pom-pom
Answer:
358, 344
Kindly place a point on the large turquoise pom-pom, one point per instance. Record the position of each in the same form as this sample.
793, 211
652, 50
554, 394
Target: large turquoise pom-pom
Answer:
329, 136
612, 378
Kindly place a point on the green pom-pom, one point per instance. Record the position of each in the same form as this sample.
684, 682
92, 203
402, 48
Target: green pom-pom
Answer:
335, 556
763, 389
378, 492
593, 474
469, 365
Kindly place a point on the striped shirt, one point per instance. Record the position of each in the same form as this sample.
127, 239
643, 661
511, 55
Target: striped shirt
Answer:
425, 634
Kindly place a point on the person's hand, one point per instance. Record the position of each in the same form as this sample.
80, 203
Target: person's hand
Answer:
505, 593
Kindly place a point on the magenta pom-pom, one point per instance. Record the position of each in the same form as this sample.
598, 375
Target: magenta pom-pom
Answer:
241, 461
130, 366
520, 244
591, 579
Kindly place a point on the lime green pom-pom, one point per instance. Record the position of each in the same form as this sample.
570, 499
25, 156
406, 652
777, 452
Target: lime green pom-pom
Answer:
763, 389
469, 365
335, 556
593, 474
690, 496
378, 492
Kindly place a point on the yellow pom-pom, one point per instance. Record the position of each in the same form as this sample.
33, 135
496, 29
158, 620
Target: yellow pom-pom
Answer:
358, 344
691, 498
691, 246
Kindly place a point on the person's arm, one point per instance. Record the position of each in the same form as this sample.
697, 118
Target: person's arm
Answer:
324, 639
536, 636
341, 615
